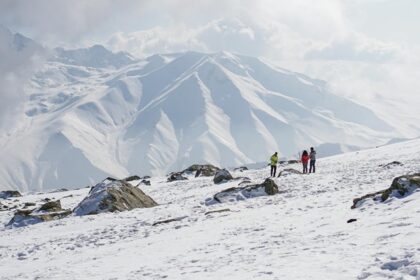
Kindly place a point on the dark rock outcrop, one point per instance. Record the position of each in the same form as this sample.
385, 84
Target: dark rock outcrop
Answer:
47, 212
400, 187
145, 182
222, 176
351, 221
112, 196
268, 187
391, 164
241, 169
176, 177
8, 194
132, 178
293, 161
169, 220
201, 170
289, 171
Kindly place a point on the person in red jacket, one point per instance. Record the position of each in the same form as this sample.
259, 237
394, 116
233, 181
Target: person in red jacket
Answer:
305, 160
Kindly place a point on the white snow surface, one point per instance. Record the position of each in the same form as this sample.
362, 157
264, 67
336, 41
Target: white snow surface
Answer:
91, 113
299, 234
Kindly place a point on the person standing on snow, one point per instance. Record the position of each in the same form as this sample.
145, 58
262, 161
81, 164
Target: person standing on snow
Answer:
312, 156
273, 163
305, 160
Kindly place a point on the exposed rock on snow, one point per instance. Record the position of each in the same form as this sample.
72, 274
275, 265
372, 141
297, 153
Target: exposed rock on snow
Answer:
8, 194
293, 161
241, 169
29, 204
205, 170
145, 182
111, 196
222, 176
217, 211
47, 212
169, 220
351, 221
51, 206
288, 171
391, 164
400, 187
176, 177
268, 187
132, 178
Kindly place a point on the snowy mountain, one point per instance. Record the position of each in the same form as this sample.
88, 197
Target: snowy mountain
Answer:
92, 113
299, 233
96, 56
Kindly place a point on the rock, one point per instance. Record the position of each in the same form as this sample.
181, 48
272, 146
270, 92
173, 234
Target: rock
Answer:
222, 176
293, 161
241, 169
112, 196
400, 187
29, 204
391, 164
217, 211
59, 190
169, 220
47, 212
146, 177
289, 171
268, 187
132, 178
145, 182
51, 206
176, 177
8, 194
351, 221
204, 170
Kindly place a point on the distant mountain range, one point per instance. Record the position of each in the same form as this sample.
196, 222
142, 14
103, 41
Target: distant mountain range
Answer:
92, 113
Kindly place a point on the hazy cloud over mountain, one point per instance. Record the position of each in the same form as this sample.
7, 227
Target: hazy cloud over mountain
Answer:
364, 49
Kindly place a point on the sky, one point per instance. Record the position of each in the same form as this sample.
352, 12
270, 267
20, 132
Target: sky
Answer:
368, 50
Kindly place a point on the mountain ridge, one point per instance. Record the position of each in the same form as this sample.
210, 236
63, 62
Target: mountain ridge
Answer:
168, 111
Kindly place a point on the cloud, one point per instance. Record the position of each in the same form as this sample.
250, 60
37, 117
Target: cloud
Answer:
19, 59
355, 48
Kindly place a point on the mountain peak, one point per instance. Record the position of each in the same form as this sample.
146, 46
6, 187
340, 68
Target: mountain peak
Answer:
96, 56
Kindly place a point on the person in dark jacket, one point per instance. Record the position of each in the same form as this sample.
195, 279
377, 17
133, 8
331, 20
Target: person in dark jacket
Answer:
273, 163
305, 160
312, 157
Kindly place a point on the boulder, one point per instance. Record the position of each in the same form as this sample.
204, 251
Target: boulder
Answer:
145, 182
241, 169
293, 161
8, 194
132, 178
51, 206
47, 212
203, 170
391, 164
112, 196
222, 176
289, 171
268, 187
176, 177
401, 187
29, 204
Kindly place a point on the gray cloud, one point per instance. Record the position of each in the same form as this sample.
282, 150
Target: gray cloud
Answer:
19, 58
369, 51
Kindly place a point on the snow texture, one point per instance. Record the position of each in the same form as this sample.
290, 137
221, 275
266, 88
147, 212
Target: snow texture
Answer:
300, 233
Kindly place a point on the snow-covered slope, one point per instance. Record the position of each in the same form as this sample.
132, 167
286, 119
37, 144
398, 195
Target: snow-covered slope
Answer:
91, 112
301, 233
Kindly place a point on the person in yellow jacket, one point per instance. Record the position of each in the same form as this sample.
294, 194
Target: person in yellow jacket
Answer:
273, 163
